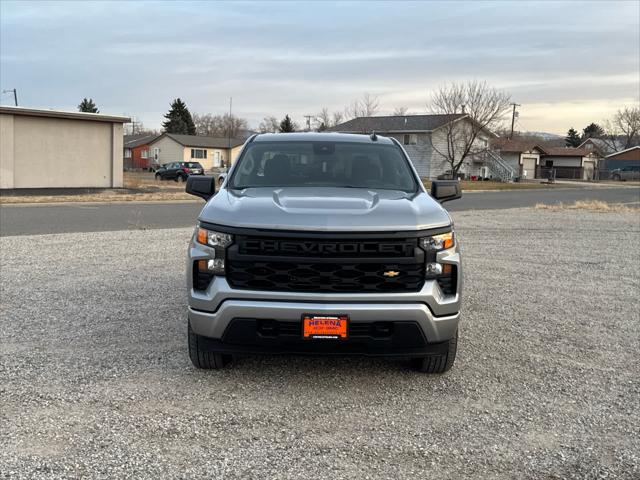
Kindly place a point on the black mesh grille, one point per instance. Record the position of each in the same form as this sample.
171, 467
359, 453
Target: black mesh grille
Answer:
326, 265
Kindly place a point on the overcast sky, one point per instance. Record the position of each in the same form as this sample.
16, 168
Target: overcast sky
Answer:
567, 63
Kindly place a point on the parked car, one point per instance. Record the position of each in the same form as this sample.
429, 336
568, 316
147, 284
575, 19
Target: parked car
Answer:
324, 243
179, 171
631, 172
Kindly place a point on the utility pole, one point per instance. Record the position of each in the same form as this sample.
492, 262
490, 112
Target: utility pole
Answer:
229, 126
15, 95
513, 118
308, 117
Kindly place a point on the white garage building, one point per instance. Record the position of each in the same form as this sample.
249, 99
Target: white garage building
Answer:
55, 149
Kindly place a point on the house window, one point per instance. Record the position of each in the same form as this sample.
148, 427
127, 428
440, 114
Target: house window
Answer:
144, 153
127, 153
198, 153
410, 139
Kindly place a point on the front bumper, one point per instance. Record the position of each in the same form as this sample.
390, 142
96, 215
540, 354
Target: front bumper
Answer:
216, 312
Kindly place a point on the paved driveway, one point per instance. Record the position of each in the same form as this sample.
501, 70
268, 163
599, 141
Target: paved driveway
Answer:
60, 218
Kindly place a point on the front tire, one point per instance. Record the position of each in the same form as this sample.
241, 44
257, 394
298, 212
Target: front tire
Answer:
439, 363
202, 358
617, 178
158, 177
181, 178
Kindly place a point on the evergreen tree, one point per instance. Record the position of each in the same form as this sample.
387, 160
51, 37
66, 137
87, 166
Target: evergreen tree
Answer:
572, 139
87, 105
592, 131
179, 120
286, 125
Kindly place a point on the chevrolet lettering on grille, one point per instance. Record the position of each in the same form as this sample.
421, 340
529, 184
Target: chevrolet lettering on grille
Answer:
284, 247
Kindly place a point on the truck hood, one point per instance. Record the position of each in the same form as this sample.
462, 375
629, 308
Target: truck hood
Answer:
325, 209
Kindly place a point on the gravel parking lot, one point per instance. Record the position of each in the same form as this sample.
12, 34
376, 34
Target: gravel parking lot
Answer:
95, 381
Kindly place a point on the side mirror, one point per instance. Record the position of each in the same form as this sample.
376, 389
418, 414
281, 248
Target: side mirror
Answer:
446, 190
203, 186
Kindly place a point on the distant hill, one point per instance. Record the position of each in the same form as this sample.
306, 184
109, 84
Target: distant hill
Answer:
543, 135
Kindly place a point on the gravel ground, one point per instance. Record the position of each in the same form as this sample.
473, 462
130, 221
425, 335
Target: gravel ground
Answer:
95, 381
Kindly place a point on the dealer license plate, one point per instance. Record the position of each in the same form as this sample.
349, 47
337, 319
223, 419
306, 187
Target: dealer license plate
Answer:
328, 327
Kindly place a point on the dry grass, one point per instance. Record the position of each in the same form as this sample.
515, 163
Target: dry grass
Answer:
468, 186
593, 206
105, 196
138, 187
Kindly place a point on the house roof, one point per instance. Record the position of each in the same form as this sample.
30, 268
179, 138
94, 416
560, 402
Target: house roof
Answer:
623, 151
566, 152
396, 123
605, 147
202, 141
517, 146
38, 112
132, 141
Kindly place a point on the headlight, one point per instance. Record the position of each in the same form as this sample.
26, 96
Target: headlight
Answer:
214, 239
204, 269
439, 242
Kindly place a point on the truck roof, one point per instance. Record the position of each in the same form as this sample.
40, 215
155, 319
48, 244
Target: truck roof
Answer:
321, 137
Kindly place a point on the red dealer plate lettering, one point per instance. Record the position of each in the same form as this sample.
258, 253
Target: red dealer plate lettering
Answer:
331, 327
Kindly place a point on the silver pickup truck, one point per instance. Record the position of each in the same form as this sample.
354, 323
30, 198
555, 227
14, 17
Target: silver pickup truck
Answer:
324, 243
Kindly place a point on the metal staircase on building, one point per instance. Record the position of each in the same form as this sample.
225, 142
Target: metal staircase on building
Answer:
498, 167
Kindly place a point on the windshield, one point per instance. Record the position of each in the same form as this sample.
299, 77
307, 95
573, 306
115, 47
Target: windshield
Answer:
323, 164
192, 165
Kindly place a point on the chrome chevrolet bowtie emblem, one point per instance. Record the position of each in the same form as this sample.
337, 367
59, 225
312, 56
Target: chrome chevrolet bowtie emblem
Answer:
391, 274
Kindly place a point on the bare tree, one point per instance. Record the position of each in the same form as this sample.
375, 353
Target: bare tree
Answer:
400, 111
336, 118
322, 120
233, 126
485, 107
225, 125
367, 106
623, 131
269, 125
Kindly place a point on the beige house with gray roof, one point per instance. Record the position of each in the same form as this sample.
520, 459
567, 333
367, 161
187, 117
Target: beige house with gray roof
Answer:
210, 152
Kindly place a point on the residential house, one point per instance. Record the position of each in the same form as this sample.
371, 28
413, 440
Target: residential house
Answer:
211, 152
567, 162
625, 158
424, 137
522, 156
56, 149
136, 151
602, 147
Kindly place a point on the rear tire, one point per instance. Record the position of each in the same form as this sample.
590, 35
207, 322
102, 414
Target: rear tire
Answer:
437, 363
617, 178
181, 178
202, 358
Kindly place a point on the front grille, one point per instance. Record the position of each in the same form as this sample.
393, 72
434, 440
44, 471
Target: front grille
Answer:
326, 265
